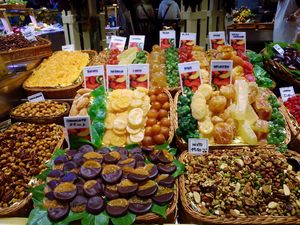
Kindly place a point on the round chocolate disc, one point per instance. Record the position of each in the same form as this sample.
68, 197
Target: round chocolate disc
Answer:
139, 206
130, 162
117, 207
95, 205
58, 213
68, 166
61, 159
90, 169
127, 188
163, 195
152, 170
86, 148
112, 157
78, 204
111, 174
147, 189
92, 188
138, 175
65, 191
166, 168
165, 157
103, 150
111, 192
165, 180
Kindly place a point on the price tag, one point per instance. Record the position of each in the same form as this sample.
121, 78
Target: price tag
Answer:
33, 20
6, 26
220, 72
29, 34
116, 77
5, 124
117, 42
187, 39
278, 49
190, 75
38, 97
286, 93
93, 76
167, 38
138, 75
136, 41
198, 146
68, 48
78, 126
238, 41
216, 39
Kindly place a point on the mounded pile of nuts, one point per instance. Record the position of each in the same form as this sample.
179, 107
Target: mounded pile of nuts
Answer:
24, 149
81, 103
40, 109
17, 41
242, 183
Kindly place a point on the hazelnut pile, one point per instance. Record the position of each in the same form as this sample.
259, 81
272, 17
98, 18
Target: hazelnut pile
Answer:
17, 41
24, 149
38, 109
242, 183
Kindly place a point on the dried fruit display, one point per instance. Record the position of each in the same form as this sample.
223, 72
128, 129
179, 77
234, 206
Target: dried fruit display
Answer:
293, 105
81, 103
24, 149
172, 67
62, 69
157, 61
117, 182
239, 183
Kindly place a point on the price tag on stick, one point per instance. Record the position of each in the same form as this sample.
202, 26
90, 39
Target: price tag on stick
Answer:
29, 34
278, 49
79, 126
68, 48
38, 97
190, 75
136, 41
216, 39
117, 42
116, 77
286, 93
93, 76
187, 39
167, 38
220, 72
138, 75
238, 41
198, 146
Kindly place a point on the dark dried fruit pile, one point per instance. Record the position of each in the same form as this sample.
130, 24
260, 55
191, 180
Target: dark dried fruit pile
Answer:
117, 181
17, 41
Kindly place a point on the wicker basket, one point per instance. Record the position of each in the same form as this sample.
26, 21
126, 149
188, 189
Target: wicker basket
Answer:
171, 115
280, 72
13, 6
64, 92
294, 127
28, 54
23, 207
59, 119
191, 216
182, 145
151, 218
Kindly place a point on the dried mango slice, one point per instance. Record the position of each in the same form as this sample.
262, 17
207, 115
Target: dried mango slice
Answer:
137, 138
135, 117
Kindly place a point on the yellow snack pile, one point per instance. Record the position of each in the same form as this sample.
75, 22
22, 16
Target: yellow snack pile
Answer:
62, 69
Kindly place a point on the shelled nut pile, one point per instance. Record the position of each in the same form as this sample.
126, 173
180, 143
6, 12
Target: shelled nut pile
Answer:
38, 109
81, 103
242, 183
24, 149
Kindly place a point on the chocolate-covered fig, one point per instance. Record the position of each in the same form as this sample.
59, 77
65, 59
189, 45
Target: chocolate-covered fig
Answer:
147, 189
69, 166
147, 150
165, 180
140, 164
103, 150
85, 149
60, 159
166, 168
138, 175
130, 162
152, 170
55, 175
65, 191
138, 157
92, 188
52, 184
117, 207
58, 213
111, 174
95, 205
163, 195
153, 156
139, 206
123, 152
111, 192
78, 158
112, 157
165, 157
93, 156
127, 188
90, 169
69, 177
78, 204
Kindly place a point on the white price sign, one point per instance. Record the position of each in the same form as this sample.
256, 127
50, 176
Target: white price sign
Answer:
190, 75
187, 39
286, 93
167, 38
68, 48
198, 146
38, 97
29, 34
216, 39
136, 41
278, 49
93, 76
116, 77
138, 75
117, 42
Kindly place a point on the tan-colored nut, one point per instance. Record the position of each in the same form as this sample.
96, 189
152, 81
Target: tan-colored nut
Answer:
197, 197
272, 205
286, 190
234, 212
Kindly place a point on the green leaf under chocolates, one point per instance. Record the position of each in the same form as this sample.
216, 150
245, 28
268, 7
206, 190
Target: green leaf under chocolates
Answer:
160, 210
128, 219
72, 216
167, 147
180, 168
38, 195
38, 216
76, 142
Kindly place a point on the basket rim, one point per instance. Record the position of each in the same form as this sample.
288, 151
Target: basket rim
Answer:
20, 204
183, 143
251, 220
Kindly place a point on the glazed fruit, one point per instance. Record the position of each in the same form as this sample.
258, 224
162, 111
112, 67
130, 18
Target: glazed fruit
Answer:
117, 207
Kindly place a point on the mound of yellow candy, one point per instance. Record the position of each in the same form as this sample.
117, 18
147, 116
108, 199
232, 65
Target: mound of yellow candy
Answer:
126, 116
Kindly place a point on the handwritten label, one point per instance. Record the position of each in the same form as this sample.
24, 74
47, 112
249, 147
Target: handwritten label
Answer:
216, 39
190, 75
286, 93
38, 97
220, 72
78, 126
136, 41
116, 77
138, 75
198, 146
29, 34
238, 41
117, 42
278, 49
187, 39
68, 48
93, 76
167, 38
